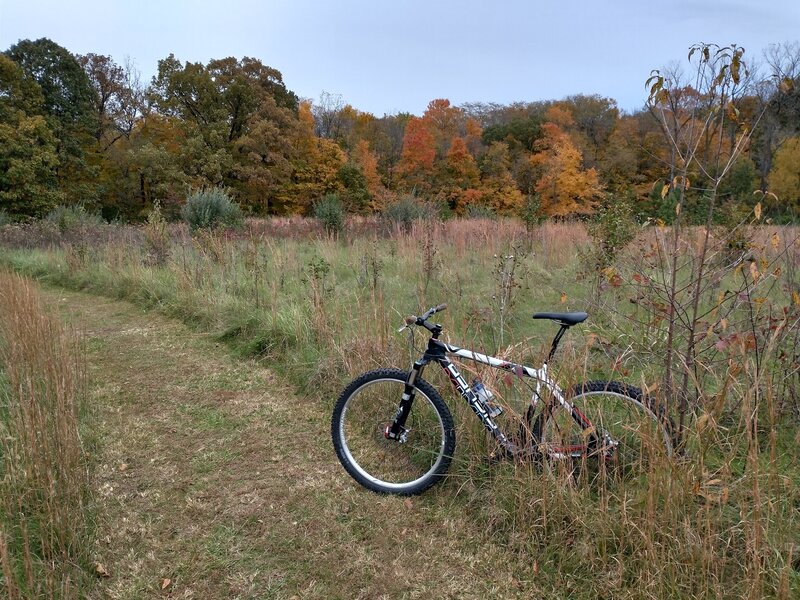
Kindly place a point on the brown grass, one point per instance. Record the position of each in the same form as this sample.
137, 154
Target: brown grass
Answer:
43, 529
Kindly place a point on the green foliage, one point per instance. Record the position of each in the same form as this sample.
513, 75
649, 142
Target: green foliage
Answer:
530, 212
28, 147
68, 101
211, 208
480, 211
19, 93
519, 134
356, 191
67, 93
404, 211
5, 218
612, 228
28, 162
69, 218
330, 212
740, 182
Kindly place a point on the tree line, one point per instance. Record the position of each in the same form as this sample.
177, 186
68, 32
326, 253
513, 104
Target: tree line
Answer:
84, 129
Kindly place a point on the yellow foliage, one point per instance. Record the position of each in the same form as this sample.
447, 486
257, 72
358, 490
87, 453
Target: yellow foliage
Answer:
784, 178
564, 187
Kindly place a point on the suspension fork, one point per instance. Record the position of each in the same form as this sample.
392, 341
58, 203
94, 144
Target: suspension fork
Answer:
397, 429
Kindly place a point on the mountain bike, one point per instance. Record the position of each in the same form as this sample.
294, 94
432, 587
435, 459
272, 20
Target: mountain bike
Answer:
394, 434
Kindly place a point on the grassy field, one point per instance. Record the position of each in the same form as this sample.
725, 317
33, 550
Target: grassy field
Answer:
723, 521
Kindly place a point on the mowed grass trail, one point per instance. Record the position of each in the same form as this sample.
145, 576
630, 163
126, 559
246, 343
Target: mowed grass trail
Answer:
214, 480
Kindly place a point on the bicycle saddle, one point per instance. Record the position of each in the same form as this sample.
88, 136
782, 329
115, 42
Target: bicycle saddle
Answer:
566, 319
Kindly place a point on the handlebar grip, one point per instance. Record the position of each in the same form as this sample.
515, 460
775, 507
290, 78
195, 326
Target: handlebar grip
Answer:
440, 308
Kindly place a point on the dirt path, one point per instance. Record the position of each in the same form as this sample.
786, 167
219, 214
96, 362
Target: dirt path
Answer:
214, 480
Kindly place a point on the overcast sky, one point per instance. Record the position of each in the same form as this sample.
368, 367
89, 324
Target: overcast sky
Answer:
386, 57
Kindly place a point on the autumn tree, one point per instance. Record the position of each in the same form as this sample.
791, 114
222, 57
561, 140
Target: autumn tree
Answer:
315, 167
459, 177
444, 123
367, 162
239, 125
499, 190
118, 101
784, 178
416, 167
594, 119
564, 187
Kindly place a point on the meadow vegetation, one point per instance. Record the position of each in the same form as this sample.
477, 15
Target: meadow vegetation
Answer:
718, 520
45, 526
694, 293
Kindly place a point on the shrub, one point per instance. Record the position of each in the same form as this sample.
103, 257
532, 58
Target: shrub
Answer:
5, 218
612, 229
156, 236
404, 211
211, 208
480, 211
530, 211
330, 212
67, 218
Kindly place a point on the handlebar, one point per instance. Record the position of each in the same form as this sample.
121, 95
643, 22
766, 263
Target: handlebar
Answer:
423, 320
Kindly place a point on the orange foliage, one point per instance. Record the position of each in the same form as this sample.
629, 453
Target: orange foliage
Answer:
559, 115
473, 137
415, 169
366, 160
443, 122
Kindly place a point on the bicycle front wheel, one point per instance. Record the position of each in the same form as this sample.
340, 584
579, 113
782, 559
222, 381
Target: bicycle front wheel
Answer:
362, 413
612, 422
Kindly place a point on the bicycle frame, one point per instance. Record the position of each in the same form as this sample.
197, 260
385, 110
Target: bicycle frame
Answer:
438, 351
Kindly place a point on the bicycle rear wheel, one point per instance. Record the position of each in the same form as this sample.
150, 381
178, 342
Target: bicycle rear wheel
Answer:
362, 413
612, 423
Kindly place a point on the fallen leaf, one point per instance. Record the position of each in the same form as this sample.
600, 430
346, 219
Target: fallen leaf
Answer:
408, 503
123, 467
754, 271
166, 583
563, 297
100, 570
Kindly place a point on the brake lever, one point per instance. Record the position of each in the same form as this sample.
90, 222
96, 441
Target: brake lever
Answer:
409, 321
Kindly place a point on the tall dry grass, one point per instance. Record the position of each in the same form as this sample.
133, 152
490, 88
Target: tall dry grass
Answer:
44, 488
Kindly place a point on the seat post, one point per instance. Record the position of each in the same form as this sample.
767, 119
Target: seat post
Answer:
557, 339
